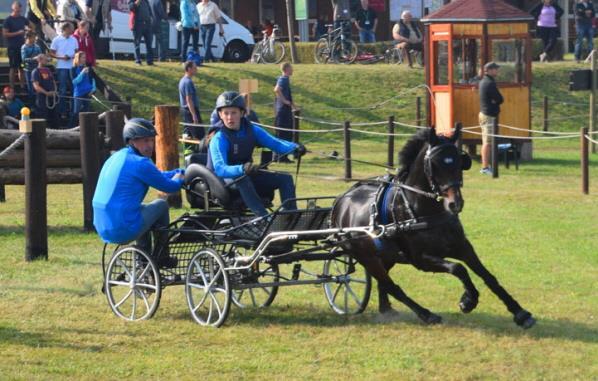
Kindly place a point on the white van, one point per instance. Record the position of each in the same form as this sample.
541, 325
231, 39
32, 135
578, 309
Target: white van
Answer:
235, 46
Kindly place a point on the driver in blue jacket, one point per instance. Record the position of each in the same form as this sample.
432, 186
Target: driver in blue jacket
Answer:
119, 214
230, 155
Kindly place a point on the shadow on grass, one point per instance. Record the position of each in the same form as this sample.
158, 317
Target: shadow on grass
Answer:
88, 290
55, 230
493, 324
9, 335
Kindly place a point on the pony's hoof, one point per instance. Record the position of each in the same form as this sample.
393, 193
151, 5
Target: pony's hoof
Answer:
524, 319
432, 319
468, 303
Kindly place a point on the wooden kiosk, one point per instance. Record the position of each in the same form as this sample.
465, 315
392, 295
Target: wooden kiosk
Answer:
460, 38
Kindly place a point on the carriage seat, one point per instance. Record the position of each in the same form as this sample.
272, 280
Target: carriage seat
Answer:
203, 181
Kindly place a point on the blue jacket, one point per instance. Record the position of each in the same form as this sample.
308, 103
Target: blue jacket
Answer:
124, 181
83, 84
189, 15
220, 145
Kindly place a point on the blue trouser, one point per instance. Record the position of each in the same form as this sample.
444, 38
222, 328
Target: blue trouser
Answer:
261, 184
30, 90
155, 216
194, 35
144, 31
80, 104
207, 35
367, 36
65, 81
161, 45
583, 31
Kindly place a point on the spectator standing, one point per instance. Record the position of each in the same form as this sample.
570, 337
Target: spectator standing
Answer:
86, 42
341, 14
159, 17
547, 15
12, 104
408, 36
83, 86
190, 22
63, 49
268, 27
29, 51
320, 28
45, 90
141, 22
584, 13
70, 11
366, 22
190, 105
39, 11
284, 107
98, 12
490, 101
14, 29
209, 16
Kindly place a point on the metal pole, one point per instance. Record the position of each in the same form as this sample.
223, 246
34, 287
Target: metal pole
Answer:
90, 163
391, 141
2, 193
347, 136
495, 149
418, 110
593, 98
545, 113
585, 162
296, 115
36, 215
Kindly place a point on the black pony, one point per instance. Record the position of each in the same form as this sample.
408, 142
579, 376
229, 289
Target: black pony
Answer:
420, 208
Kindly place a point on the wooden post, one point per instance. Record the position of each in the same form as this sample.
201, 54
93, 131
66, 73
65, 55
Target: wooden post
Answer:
593, 95
125, 108
418, 110
545, 113
347, 136
494, 149
167, 148
391, 141
585, 162
291, 27
90, 163
114, 129
2, 193
36, 217
296, 115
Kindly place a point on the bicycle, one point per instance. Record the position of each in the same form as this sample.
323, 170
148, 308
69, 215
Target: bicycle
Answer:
335, 46
269, 50
394, 55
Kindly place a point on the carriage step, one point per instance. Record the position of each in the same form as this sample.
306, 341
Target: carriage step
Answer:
296, 271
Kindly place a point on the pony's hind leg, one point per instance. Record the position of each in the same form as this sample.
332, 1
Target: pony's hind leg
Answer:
521, 317
469, 299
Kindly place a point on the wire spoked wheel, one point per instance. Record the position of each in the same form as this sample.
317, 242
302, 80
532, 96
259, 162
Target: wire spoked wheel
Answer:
207, 288
394, 56
260, 292
344, 51
322, 51
132, 284
348, 291
256, 54
273, 52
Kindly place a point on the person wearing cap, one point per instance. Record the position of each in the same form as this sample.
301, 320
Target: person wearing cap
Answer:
120, 216
230, 155
490, 101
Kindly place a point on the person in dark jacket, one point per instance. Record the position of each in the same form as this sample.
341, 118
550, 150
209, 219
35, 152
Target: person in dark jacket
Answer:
159, 17
584, 13
408, 36
284, 107
141, 21
490, 101
547, 15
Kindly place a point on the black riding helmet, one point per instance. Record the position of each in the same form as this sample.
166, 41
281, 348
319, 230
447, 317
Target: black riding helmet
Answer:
230, 99
138, 128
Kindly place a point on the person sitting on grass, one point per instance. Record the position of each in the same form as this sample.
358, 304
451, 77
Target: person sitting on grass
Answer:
119, 214
230, 155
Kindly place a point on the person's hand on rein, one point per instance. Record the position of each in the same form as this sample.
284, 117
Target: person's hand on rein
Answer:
250, 169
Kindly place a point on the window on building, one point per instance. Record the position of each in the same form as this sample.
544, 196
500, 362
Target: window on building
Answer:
441, 63
467, 60
510, 55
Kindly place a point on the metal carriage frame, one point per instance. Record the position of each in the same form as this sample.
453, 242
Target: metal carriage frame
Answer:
231, 257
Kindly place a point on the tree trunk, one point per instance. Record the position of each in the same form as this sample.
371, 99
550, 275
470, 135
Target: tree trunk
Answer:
167, 146
54, 139
58, 158
12, 176
291, 24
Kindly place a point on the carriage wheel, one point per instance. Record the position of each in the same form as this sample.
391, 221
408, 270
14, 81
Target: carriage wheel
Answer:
349, 291
132, 284
207, 288
258, 296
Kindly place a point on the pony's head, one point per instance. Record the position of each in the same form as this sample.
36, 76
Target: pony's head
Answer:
444, 164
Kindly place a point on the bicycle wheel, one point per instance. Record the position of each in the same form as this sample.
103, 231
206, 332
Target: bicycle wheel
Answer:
322, 51
394, 56
344, 51
274, 53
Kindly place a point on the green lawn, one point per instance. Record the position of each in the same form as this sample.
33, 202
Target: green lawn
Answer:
533, 229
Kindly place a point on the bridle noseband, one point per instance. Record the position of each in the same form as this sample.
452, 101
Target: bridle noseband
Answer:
431, 152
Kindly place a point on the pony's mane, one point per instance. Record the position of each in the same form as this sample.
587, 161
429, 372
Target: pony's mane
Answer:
411, 149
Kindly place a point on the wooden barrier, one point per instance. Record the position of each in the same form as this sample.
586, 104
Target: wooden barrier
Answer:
54, 139
585, 162
167, 149
391, 142
347, 144
115, 123
545, 121
36, 218
56, 158
90, 163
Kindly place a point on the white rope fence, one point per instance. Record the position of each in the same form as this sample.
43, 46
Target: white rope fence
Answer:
13, 146
590, 139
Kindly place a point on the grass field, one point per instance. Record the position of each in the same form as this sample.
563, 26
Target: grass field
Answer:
533, 229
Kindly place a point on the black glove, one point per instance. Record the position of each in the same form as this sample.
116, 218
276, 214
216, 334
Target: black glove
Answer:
250, 169
300, 151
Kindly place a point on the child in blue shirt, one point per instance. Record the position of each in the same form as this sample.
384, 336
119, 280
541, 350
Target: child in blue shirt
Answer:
29, 51
83, 87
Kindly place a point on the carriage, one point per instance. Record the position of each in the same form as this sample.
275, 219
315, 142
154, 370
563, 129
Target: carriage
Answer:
225, 255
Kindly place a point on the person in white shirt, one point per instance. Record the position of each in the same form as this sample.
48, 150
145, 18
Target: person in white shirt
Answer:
209, 16
63, 49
